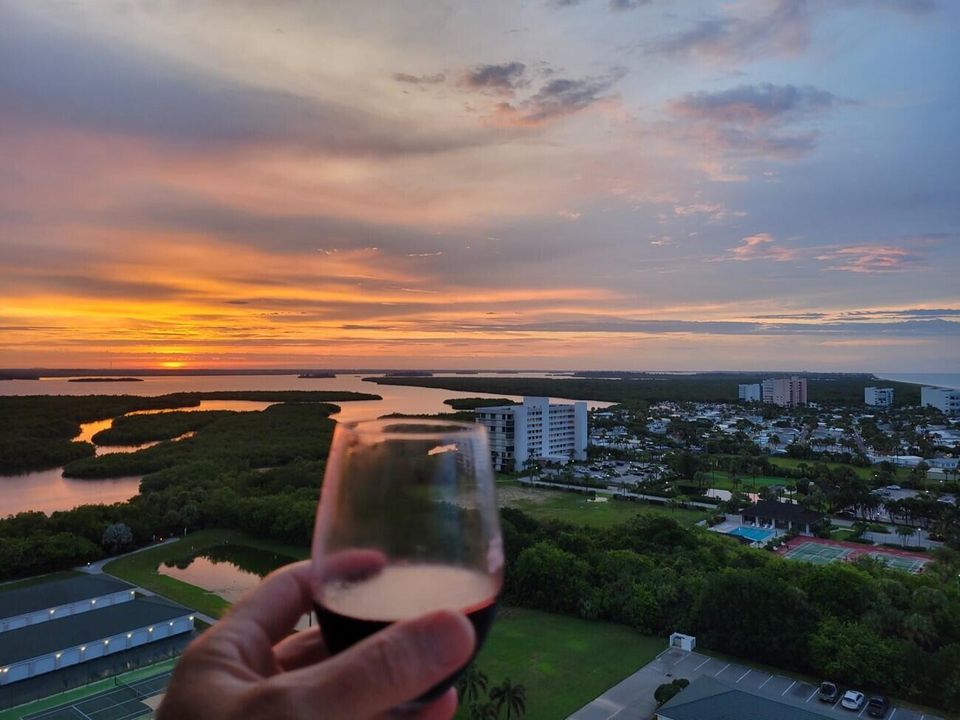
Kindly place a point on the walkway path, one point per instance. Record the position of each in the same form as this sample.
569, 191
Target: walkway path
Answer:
97, 567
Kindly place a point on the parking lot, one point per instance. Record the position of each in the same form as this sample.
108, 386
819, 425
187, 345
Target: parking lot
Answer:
632, 699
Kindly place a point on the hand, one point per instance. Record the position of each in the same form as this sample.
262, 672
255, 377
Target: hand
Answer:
248, 666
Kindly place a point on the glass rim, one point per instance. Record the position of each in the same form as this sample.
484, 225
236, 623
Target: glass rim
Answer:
379, 428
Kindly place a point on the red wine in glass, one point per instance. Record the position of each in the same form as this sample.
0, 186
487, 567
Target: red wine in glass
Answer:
407, 524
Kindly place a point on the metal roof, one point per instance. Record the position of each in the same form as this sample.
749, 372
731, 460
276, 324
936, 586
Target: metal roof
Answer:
84, 628
58, 592
709, 699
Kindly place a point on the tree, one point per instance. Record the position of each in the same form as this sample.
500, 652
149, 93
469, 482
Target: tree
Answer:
510, 697
116, 538
472, 684
487, 710
905, 533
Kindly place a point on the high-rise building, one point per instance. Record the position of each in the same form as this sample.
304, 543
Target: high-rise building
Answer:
750, 393
786, 392
881, 397
536, 430
947, 400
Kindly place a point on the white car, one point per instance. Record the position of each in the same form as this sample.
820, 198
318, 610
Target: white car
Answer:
853, 700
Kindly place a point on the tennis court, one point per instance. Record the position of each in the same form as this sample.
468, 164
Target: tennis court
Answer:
820, 552
124, 702
817, 553
898, 562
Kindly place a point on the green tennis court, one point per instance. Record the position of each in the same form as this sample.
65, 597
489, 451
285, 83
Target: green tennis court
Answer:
121, 703
898, 562
817, 553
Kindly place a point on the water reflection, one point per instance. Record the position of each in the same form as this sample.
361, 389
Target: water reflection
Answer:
229, 571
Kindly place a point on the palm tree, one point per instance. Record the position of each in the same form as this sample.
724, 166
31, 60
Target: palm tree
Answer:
511, 697
904, 532
472, 684
488, 710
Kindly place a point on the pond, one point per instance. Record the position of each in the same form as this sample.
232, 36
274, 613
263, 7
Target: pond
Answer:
229, 571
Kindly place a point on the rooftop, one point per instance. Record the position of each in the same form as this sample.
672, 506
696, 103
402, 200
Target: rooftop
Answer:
709, 699
781, 511
44, 638
58, 592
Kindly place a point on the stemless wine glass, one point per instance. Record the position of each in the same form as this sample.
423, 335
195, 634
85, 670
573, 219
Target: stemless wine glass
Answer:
407, 524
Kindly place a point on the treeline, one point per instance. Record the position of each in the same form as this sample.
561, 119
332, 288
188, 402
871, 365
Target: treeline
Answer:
828, 389
138, 429
477, 402
859, 624
259, 472
38, 430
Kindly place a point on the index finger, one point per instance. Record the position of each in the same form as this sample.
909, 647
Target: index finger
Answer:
276, 604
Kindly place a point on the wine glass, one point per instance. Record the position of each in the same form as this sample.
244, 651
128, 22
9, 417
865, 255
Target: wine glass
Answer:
407, 524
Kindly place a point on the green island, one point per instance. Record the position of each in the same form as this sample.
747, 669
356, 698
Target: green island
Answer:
39, 429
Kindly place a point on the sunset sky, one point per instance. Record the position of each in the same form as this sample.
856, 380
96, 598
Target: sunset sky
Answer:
631, 184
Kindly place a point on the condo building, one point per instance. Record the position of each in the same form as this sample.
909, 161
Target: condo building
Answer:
785, 392
879, 397
946, 400
537, 429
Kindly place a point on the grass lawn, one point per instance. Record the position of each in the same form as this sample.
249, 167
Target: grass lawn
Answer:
843, 534
563, 662
574, 508
141, 568
722, 480
79, 693
866, 473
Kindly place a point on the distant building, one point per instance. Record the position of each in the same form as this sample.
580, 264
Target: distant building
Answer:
707, 698
535, 430
785, 392
946, 400
781, 516
880, 397
750, 393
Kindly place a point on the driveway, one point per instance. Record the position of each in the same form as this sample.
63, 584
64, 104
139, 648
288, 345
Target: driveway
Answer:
632, 699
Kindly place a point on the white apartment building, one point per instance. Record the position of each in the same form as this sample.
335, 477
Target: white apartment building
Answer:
880, 397
750, 393
947, 400
536, 429
785, 392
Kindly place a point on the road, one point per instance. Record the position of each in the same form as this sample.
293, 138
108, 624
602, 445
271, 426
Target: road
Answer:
608, 491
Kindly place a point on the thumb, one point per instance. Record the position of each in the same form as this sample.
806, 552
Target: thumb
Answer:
386, 669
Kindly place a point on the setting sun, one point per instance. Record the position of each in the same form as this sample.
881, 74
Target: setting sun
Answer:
172, 364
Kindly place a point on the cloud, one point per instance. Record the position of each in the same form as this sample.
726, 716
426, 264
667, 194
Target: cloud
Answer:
870, 259
623, 5
753, 105
615, 5
761, 247
714, 211
501, 79
559, 98
865, 258
54, 79
750, 120
419, 79
766, 28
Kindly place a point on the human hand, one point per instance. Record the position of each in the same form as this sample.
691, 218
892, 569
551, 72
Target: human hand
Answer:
248, 667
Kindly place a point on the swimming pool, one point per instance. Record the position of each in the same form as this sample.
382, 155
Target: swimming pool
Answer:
754, 534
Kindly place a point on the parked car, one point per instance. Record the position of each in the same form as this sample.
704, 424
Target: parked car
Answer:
828, 692
853, 700
878, 706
